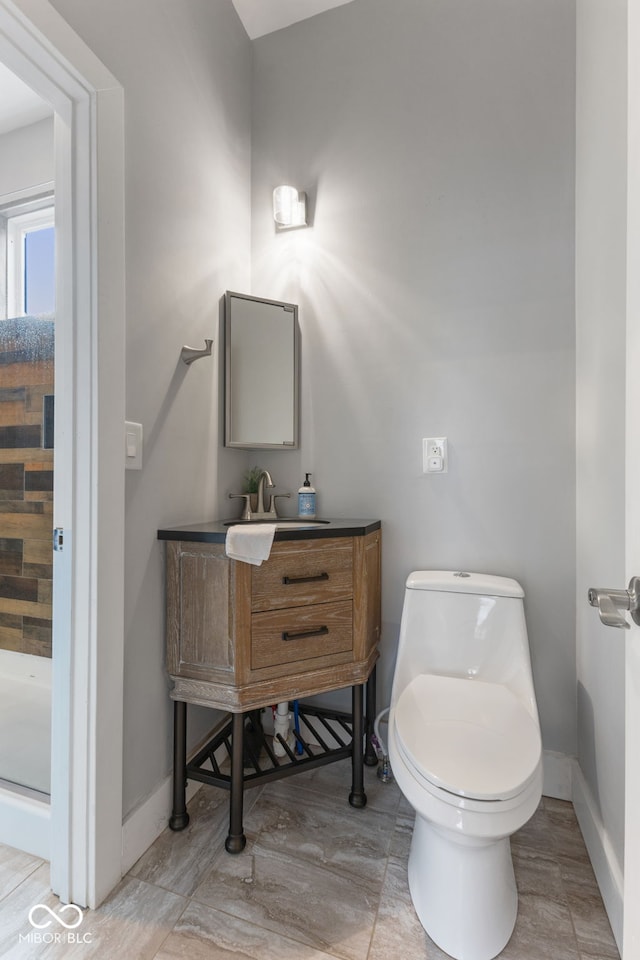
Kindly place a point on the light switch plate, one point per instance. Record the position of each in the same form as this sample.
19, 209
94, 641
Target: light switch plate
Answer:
133, 445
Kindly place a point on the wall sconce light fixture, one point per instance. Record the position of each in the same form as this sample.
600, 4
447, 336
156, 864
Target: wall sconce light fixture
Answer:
289, 208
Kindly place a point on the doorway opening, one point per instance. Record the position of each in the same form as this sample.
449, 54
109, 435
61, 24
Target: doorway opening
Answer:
80, 830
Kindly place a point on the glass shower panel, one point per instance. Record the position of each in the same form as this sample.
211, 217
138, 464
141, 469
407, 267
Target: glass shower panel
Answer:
26, 558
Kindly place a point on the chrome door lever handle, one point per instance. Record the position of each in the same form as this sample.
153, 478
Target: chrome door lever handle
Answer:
610, 603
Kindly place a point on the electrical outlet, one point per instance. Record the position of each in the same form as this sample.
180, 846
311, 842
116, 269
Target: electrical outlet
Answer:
435, 455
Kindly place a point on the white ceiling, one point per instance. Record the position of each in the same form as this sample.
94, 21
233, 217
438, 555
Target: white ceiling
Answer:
19, 105
265, 16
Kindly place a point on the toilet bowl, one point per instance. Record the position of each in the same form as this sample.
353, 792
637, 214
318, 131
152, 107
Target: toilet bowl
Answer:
465, 749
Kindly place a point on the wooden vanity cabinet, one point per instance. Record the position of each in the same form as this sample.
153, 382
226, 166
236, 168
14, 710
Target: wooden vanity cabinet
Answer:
306, 621
241, 637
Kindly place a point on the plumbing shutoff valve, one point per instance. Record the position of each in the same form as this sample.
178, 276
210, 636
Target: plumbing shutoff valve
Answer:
434, 455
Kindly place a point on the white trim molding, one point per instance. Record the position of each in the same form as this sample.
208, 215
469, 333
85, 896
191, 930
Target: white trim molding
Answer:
25, 823
145, 824
608, 870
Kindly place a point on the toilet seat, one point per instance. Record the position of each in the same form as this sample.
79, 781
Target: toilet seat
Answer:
468, 737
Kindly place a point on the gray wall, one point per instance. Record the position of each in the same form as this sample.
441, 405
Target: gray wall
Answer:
601, 235
185, 69
436, 141
435, 287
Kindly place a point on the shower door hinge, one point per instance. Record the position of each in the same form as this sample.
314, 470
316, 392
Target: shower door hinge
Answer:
58, 538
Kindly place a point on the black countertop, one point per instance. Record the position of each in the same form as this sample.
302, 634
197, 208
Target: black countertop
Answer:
215, 531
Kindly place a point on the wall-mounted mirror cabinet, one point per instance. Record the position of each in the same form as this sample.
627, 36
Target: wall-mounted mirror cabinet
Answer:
262, 375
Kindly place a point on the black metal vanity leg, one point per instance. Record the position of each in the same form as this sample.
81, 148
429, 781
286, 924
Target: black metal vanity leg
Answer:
236, 840
357, 797
179, 816
370, 755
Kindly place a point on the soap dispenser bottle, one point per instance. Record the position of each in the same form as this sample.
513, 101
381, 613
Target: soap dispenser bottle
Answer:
307, 499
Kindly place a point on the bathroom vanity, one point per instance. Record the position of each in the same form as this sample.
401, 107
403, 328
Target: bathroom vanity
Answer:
243, 637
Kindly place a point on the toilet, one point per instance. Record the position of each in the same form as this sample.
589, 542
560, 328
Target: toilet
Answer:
465, 750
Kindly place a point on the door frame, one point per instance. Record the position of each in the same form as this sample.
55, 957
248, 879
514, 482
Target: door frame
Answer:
38, 45
631, 925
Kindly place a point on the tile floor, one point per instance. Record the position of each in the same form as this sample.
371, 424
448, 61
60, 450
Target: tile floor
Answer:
318, 880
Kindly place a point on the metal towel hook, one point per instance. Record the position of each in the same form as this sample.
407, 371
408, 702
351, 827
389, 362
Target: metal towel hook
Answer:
189, 354
611, 602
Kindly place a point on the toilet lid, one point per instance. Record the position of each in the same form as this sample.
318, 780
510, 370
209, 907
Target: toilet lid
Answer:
469, 737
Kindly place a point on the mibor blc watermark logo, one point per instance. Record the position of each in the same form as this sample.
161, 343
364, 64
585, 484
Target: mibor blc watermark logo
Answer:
51, 926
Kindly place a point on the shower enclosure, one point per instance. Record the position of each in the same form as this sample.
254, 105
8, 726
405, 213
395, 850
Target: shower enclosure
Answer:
26, 560
27, 306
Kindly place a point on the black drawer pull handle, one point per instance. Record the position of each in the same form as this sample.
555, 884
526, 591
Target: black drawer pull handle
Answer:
314, 579
318, 632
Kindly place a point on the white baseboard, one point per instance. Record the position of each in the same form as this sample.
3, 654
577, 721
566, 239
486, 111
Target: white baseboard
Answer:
563, 779
145, 824
25, 823
142, 827
557, 770
603, 858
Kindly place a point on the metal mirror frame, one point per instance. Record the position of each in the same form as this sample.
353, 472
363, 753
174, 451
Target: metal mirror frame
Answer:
290, 308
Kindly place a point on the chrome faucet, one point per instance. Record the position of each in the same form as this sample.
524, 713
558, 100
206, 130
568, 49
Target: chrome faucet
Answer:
262, 511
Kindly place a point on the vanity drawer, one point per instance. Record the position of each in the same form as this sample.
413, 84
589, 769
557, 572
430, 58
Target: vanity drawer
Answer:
301, 634
303, 572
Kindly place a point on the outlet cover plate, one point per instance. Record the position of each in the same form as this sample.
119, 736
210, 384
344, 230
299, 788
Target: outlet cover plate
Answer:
435, 455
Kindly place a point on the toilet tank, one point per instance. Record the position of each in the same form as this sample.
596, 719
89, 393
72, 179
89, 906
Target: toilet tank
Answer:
464, 625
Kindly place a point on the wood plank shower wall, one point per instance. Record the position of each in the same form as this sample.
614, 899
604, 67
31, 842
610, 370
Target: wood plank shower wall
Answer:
26, 485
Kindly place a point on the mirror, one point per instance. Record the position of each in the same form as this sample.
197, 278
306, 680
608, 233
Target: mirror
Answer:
262, 388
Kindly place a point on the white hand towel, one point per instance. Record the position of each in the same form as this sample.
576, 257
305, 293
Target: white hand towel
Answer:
250, 542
